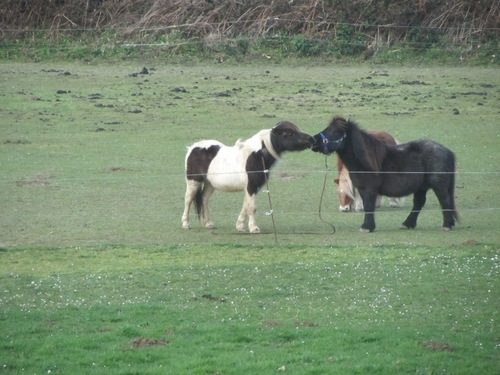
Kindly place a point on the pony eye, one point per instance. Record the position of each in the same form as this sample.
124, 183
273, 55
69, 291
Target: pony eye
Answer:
286, 134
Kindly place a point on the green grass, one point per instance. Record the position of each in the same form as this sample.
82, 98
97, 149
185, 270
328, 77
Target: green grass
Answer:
98, 277
65, 183
225, 309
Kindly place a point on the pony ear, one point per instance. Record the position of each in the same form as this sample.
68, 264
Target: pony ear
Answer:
340, 123
370, 151
336, 181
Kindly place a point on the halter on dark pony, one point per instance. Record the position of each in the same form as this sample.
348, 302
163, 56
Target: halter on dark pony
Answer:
330, 145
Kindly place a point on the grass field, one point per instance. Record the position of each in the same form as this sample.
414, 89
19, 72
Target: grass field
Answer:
98, 276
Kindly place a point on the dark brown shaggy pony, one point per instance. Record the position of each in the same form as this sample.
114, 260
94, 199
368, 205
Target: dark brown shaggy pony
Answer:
395, 171
349, 198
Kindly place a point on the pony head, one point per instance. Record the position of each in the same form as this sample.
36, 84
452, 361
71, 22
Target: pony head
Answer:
369, 150
286, 136
332, 138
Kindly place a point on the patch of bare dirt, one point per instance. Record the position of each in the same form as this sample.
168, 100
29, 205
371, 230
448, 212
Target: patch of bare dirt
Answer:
39, 179
437, 346
470, 243
404, 82
304, 323
142, 342
213, 298
270, 323
115, 169
17, 142
285, 176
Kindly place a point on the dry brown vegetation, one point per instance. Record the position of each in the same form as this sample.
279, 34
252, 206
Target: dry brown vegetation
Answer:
388, 20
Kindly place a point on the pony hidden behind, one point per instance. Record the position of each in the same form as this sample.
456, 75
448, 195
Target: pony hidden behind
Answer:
211, 165
394, 171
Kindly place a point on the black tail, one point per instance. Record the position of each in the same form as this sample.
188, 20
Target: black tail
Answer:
451, 190
198, 199
452, 197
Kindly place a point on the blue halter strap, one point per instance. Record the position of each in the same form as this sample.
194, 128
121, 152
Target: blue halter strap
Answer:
327, 143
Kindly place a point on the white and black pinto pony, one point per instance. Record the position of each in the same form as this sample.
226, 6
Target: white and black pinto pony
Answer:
211, 165
395, 171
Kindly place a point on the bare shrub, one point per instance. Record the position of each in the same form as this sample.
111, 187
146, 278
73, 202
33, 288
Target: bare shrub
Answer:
461, 20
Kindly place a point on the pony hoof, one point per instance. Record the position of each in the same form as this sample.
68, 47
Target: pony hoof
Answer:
402, 226
363, 230
241, 230
446, 229
210, 226
255, 231
186, 226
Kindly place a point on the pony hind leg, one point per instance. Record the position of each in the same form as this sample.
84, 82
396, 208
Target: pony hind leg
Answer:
192, 188
419, 199
207, 192
447, 206
242, 217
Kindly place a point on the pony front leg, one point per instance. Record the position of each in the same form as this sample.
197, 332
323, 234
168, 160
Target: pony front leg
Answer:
369, 201
248, 210
252, 225
240, 223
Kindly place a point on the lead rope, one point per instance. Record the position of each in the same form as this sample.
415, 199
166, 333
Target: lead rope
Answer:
271, 211
321, 197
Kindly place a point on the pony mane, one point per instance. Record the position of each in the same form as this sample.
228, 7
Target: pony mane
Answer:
369, 151
263, 138
340, 123
256, 141
287, 125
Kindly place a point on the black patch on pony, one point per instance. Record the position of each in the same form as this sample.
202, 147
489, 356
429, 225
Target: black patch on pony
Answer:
198, 162
257, 167
260, 163
197, 167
